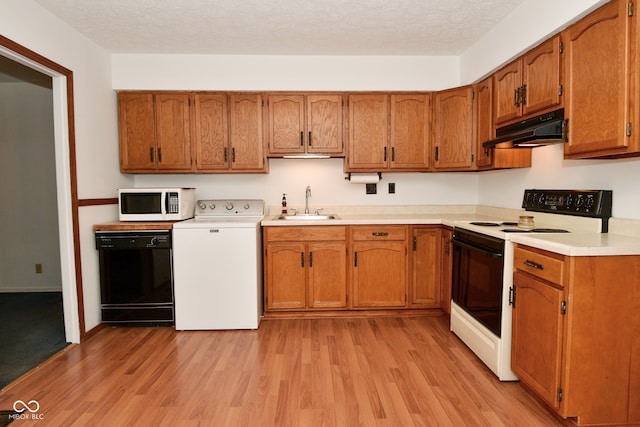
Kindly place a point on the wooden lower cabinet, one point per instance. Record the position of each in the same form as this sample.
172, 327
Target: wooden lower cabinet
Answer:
305, 268
576, 334
446, 268
379, 266
425, 288
356, 267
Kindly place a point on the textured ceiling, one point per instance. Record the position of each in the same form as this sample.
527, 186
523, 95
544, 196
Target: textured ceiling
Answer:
283, 27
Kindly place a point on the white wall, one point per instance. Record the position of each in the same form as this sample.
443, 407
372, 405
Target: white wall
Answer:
28, 213
30, 25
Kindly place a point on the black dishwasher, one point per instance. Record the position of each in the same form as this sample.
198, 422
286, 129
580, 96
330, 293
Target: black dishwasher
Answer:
136, 277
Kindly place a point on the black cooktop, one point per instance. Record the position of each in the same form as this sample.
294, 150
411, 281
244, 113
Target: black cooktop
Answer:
493, 224
535, 230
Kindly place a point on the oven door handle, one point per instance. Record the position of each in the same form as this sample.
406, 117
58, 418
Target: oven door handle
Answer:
476, 248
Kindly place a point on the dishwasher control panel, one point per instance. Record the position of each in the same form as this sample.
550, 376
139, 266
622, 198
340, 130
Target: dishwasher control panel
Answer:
229, 207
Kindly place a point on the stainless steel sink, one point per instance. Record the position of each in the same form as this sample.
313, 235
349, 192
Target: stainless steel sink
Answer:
309, 217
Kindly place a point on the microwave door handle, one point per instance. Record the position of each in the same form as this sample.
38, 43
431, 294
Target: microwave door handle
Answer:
475, 248
165, 205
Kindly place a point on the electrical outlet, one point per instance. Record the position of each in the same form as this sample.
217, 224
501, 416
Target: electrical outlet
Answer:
372, 188
38, 268
392, 188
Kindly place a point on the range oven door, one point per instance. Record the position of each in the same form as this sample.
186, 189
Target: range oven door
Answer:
478, 265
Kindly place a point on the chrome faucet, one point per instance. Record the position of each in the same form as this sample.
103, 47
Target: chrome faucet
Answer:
307, 194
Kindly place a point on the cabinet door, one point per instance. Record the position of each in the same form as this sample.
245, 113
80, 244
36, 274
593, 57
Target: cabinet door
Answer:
379, 278
211, 132
483, 123
285, 276
453, 132
506, 83
536, 349
324, 124
368, 132
425, 280
597, 64
446, 268
246, 132
137, 131
541, 77
410, 132
173, 131
286, 124
327, 267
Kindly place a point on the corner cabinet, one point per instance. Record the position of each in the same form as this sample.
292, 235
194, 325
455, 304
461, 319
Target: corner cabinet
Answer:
379, 266
155, 132
305, 124
529, 85
388, 132
453, 129
602, 72
305, 268
576, 329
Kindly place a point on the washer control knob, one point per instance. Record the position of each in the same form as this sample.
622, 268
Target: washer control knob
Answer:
229, 206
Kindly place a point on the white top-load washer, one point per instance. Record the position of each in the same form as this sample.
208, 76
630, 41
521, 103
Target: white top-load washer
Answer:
217, 260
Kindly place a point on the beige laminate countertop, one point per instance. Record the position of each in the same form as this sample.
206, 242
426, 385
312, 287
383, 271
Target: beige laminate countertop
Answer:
572, 244
582, 244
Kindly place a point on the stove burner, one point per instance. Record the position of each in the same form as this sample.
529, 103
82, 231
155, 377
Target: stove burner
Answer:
535, 230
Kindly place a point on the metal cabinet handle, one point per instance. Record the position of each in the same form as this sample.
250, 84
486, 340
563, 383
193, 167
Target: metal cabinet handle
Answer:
393, 154
379, 234
160, 154
385, 154
310, 259
226, 154
355, 259
301, 139
151, 154
233, 154
533, 264
302, 259
309, 138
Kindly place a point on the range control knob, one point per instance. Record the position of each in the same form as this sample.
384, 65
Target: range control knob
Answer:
590, 201
202, 205
229, 206
246, 206
569, 200
579, 201
212, 206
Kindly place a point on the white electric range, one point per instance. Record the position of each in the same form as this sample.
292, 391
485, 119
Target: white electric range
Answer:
483, 267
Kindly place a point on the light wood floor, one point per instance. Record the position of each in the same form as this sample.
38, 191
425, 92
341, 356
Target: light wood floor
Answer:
331, 372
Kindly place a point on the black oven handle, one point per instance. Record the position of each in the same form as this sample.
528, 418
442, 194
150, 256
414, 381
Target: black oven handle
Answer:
476, 248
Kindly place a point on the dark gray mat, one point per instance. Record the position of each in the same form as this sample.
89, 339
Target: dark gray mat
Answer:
31, 331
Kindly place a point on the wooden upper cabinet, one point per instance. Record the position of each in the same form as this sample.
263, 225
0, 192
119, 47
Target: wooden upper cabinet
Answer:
301, 123
155, 132
484, 130
173, 131
410, 132
453, 129
368, 132
529, 85
388, 132
136, 126
246, 134
211, 131
325, 124
600, 78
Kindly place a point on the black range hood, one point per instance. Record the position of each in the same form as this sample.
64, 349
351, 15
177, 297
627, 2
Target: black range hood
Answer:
548, 128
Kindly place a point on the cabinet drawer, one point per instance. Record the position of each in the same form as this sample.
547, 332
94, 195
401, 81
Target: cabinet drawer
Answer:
542, 264
380, 232
317, 232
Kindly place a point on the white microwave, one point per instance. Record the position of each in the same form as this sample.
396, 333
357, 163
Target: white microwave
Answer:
156, 204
